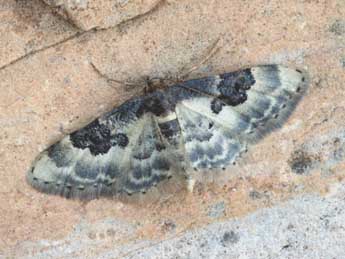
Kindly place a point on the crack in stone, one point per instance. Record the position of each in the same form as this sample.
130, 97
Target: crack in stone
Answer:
81, 33
74, 23
124, 23
33, 52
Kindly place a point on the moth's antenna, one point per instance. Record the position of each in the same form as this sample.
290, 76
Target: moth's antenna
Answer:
140, 86
214, 48
110, 79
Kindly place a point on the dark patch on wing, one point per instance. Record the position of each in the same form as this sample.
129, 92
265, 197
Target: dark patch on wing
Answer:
239, 80
125, 113
205, 84
271, 73
160, 146
216, 156
111, 170
89, 173
144, 153
161, 164
97, 138
86, 171
199, 135
233, 86
217, 105
178, 93
234, 98
230, 89
146, 145
170, 128
155, 103
196, 154
139, 173
59, 155
132, 187
217, 149
121, 139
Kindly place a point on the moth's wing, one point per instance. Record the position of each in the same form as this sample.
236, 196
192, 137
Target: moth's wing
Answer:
118, 152
208, 144
153, 157
230, 111
206, 122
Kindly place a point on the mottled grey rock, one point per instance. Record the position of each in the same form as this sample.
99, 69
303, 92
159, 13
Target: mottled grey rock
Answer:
323, 151
309, 226
217, 210
338, 27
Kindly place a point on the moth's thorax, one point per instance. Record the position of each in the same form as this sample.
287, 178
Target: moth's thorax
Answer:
153, 84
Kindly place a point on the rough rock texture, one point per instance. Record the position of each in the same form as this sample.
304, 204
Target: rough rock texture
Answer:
284, 199
27, 26
89, 14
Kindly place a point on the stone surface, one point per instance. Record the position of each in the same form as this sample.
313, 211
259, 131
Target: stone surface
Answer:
89, 14
305, 227
282, 200
27, 26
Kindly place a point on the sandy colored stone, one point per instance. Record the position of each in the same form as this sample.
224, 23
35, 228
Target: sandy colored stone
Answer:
55, 90
27, 26
89, 14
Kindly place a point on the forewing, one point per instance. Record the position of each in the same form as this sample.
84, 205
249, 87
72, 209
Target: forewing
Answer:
230, 111
118, 152
207, 143
152, 157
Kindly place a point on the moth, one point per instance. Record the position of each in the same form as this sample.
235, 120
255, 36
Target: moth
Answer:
194, 126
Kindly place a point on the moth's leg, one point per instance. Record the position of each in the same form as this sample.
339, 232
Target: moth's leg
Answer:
211, 51
147, 84
141, 85
185, 71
